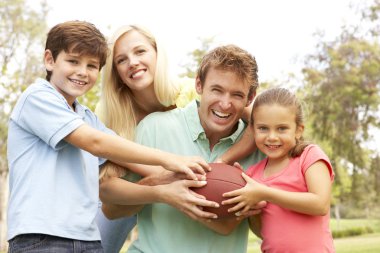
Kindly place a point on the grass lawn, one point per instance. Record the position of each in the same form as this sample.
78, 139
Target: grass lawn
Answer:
369, 243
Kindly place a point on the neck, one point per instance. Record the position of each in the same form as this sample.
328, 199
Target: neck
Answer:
146, 102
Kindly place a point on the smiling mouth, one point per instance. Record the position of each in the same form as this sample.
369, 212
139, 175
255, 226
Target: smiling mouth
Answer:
137, 73
78, 82
273, 146
221, 114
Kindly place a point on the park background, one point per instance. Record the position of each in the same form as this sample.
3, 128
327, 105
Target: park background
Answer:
326, 51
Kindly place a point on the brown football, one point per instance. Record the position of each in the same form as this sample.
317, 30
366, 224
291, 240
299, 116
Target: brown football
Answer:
222, 178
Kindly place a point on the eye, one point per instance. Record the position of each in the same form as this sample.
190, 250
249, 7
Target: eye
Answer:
93, 66
140, 51
120, 60
282, 129
73, 61
239, 96
216, 90
262, 128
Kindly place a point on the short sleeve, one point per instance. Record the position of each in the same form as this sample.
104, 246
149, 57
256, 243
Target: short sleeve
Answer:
47, 116
311, 155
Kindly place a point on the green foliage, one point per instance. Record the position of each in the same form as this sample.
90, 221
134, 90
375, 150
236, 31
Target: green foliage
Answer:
342, 84
22, 31
91, 98
352, 232
196, 57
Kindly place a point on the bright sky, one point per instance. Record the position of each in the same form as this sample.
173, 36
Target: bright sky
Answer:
276, 32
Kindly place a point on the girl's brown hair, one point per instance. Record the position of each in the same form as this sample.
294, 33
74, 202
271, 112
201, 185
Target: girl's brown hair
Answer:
283, 97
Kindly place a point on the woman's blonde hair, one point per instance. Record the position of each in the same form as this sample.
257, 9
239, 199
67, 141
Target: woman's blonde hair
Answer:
116, 107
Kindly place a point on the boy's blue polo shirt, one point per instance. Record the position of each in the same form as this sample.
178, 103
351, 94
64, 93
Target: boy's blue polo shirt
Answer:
54, 186
164, 229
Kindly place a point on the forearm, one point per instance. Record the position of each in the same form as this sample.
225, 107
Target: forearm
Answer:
114, 147
302, 202
122, 192
241, 149
223, 226
112, 211
255, 225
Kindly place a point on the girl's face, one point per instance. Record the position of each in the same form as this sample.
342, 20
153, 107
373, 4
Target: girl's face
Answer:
275, 130
135, 60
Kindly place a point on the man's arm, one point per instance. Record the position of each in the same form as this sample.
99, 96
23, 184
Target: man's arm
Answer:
120, 197
241, 149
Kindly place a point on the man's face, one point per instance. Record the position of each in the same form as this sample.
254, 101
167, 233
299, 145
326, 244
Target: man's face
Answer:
223, 99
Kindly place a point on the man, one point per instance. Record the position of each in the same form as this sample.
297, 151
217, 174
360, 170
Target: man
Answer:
226, 82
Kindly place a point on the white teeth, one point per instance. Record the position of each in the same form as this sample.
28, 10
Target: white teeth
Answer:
138, 73
78, 82
221, 114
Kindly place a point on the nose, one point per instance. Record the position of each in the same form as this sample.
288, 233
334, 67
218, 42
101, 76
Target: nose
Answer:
82, 70
133, 61
272, 135
225, 102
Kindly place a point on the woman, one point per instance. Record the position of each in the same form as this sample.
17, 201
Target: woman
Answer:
135, 83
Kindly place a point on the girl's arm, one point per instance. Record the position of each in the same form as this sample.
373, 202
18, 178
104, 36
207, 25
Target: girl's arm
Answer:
314, 202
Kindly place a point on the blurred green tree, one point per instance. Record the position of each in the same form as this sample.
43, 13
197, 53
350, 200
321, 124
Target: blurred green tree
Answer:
342, 81
22, 36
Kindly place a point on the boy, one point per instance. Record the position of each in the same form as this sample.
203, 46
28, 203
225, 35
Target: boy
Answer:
54, 144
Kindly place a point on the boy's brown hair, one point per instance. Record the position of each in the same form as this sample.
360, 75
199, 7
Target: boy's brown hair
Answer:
78, 37
231, 58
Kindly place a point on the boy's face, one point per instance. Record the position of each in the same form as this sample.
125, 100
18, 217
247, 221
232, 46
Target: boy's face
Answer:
223, 99
72, 74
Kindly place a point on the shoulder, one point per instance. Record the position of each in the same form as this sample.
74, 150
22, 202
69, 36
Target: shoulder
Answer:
39, 95
162, 117
313, 151
311, 154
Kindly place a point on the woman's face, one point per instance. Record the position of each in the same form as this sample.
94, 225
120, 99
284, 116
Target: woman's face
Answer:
135, 60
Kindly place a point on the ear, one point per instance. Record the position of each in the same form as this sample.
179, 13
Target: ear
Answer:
250, 98
48, 60
299, 131
198, 86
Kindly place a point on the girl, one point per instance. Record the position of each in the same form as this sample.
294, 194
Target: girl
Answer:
295, 179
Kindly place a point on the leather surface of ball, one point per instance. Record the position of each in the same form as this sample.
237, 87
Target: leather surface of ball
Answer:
222, 178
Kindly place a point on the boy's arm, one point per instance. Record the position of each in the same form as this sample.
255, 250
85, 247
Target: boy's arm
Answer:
123, 151
241, 149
